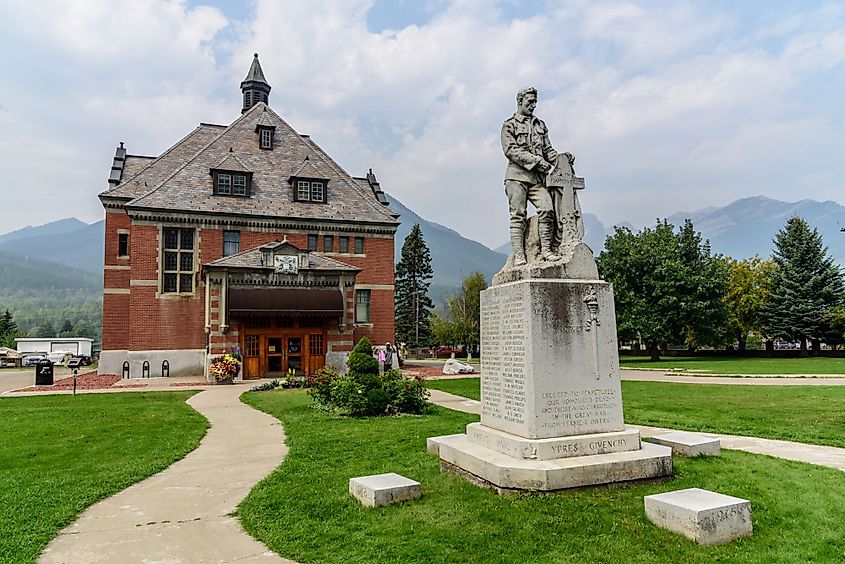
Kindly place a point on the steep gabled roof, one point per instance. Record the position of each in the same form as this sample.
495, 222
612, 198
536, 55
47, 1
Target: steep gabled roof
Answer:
141, 177
308, 169
187, 187
231, 162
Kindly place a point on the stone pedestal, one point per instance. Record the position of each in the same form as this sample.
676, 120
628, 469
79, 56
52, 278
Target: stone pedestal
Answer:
551, 414
383, 489
689, 444
708, 518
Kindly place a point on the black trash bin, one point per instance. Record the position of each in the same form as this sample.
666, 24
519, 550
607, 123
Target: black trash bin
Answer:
44, 373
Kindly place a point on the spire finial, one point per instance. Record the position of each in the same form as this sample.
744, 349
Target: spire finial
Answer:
254, 87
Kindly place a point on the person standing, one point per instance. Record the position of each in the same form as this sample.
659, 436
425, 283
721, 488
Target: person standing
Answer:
388, 355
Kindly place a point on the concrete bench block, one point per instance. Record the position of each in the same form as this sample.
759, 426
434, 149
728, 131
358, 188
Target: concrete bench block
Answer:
689, 444
708, 518
383, 489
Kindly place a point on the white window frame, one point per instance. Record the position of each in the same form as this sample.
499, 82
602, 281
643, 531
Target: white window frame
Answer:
239, 185
228, 185
318, 192
303, 191
266, 138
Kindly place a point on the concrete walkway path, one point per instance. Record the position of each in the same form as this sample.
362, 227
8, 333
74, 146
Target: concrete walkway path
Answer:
183, 514
832, 457
761, 380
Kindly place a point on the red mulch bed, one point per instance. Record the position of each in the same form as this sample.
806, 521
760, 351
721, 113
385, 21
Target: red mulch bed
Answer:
184, 384
88, 381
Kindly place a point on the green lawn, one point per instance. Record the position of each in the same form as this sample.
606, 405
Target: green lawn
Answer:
303, 509
732, 365
807, 414
60, 454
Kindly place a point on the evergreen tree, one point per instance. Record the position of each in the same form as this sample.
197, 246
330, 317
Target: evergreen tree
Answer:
412, 304
67, 329
806, 285
7, 323
8, 330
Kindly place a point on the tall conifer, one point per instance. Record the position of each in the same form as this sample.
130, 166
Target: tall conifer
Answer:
413, 276
806, 284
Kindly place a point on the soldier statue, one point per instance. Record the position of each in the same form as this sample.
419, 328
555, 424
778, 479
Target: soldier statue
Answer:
525, 141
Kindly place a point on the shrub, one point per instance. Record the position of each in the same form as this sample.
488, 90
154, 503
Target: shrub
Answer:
266, 386
363, 391
361, 360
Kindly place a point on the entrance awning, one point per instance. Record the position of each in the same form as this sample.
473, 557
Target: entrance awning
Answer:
285, 301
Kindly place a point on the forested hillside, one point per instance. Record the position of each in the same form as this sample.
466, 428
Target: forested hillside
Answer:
47, 298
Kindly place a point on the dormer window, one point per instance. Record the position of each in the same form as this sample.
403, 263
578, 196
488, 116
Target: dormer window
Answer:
266, 133
309, 190
231, 183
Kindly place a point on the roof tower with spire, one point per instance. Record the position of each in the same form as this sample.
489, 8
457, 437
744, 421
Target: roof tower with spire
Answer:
254, 87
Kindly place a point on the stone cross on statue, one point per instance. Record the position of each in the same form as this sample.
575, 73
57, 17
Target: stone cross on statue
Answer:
562, 185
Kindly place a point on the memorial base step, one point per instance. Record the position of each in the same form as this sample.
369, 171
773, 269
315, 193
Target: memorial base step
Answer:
504, 472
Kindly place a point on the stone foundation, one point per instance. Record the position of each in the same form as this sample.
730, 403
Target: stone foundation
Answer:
189, 362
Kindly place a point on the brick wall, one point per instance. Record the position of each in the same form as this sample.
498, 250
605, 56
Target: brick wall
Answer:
143, 321
116, 317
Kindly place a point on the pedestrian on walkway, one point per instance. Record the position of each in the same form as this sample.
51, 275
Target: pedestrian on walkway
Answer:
381, 359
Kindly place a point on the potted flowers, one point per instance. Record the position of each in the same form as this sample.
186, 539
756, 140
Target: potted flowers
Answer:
224, 368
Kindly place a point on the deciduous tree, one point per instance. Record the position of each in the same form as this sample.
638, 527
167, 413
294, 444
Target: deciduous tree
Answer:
749, 286
412, 304
668, 287
465, 309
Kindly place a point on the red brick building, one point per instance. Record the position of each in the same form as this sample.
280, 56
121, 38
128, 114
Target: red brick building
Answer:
246, 236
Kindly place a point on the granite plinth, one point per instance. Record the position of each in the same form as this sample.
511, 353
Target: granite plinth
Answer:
507, 472
555, 447
689, 444
708, 518
383, 489
548, 359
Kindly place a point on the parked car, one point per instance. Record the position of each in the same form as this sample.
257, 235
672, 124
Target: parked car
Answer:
446, 352
7, 363
32, 359
59, 357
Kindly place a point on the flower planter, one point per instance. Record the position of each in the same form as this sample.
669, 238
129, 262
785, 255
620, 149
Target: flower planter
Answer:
224, 368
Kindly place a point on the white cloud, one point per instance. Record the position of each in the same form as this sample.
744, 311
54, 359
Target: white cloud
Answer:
667, 106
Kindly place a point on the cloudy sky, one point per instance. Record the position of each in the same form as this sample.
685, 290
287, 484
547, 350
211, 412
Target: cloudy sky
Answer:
668, 106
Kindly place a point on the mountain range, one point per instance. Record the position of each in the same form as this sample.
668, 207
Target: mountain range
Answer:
741, 229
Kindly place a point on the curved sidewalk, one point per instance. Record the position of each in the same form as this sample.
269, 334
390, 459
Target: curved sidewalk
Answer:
832, 457
183, 514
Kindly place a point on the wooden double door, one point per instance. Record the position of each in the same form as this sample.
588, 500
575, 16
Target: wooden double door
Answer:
273, 353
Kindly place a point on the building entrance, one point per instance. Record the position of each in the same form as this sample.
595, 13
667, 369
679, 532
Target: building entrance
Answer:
273, 351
